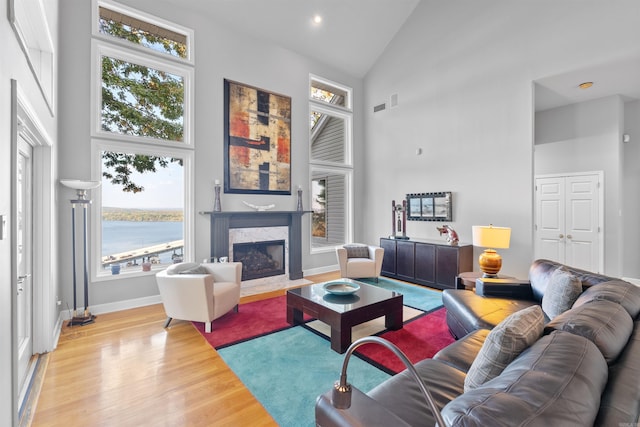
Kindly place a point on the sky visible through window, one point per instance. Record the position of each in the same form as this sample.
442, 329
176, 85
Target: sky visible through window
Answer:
163, 189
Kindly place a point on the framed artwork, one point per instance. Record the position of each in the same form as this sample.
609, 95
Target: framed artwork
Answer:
429, 206
257, 140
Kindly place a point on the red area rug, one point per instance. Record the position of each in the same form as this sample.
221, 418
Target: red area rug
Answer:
419, 338
252, 320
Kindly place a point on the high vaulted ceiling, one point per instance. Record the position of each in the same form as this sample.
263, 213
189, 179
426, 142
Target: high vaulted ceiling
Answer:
354, 33
351, 36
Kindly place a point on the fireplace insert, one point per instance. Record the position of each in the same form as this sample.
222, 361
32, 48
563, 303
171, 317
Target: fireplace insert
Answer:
260, 259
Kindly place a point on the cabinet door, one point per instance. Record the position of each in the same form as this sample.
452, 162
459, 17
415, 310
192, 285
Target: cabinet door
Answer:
446, 266
405, 260
389, 258
425, 266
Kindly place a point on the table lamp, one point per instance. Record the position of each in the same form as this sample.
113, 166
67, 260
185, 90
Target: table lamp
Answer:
492, 238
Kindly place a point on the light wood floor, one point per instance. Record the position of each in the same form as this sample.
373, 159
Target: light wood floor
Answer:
127, 370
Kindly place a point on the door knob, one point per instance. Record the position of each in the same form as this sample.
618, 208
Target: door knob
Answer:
560, 236
568, 236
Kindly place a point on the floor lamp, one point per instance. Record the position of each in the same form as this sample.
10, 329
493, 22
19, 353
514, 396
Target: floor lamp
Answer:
83, 317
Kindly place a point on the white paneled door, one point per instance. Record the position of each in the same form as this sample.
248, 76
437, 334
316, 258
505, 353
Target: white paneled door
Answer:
24, 249
568, 226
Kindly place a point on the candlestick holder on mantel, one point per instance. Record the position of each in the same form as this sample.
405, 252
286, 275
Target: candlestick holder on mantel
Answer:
299, 207
217, 206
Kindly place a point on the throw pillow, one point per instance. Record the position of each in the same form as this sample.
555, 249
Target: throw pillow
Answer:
563, 290
503, 344
357, 250
196, 270
180, 267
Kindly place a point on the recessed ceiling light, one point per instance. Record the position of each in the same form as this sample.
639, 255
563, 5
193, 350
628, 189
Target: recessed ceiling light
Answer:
317, 19
585, 85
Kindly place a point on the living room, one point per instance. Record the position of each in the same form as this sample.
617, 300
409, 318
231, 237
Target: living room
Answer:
465, 76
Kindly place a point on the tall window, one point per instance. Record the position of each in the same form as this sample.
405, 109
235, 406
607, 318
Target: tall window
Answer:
142, 147
330, 139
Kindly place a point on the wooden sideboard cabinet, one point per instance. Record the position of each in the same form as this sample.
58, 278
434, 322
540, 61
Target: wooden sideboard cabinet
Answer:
425, 262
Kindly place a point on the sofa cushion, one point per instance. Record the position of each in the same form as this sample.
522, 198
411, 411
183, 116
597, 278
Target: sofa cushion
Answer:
620, 404
619, 291
555, 382
563, 290
503, 344
461, 354
605, 323
401, 394
181, 267
540, 276
357, 250
467, 312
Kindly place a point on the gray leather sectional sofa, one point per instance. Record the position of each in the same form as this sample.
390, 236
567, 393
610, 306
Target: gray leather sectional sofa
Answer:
584, 370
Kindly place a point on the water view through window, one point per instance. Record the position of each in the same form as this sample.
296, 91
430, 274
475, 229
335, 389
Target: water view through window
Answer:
144, 228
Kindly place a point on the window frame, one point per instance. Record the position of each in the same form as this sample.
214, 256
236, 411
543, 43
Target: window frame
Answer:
348, 133
322, 166
98, 49
112, 40
188, 156
103, 44
37, 46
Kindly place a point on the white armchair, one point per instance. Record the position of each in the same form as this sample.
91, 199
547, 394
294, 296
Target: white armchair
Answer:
205, 293
358, 261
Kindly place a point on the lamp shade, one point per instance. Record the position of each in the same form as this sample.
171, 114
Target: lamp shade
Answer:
488, 236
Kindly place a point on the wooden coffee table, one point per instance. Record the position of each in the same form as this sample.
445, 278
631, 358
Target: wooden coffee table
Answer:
342, 312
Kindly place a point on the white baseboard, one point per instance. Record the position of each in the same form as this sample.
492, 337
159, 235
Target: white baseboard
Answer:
117, 306
321, 270
155, 299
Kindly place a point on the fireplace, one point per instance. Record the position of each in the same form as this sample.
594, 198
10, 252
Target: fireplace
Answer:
223, 222
260, 259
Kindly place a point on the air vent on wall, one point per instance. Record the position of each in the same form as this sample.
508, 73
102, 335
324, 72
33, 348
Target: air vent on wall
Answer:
380, 107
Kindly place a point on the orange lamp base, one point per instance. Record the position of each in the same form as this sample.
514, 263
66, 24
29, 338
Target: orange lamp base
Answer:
490, 262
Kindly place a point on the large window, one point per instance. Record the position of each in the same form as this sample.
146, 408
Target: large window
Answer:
141, 142
330, 138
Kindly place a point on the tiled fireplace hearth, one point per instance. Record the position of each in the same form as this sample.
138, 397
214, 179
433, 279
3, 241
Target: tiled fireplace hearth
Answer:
228, 228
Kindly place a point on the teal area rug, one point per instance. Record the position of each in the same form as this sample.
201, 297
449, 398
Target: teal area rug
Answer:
414, 296
287, 370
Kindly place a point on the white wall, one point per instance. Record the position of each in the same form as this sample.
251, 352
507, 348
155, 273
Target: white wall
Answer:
585, 137
463, 72
630, 194
13, 65
219, 53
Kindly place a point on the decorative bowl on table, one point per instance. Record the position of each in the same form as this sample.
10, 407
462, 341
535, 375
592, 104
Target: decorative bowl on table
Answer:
339, 287
341, 299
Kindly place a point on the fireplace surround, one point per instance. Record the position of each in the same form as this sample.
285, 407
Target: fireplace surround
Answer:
222, 222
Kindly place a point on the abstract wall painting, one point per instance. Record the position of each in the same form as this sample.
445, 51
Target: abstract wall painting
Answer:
257, 132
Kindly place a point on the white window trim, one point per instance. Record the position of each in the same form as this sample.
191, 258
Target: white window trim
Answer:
348, 174
345, 168
30, 25
103, 44
321, 107
98, 49
117, 7
347, 89
99, 145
